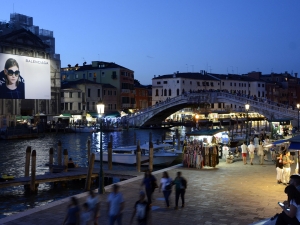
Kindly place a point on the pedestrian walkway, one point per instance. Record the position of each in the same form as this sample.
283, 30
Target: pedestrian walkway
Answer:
233, 194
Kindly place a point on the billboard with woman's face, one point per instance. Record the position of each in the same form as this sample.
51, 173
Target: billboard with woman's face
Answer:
23, 77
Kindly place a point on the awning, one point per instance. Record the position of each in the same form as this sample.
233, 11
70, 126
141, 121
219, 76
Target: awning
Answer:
113, 114
93, 114
294, 146
280, 141
66, 114
208, 132
23, 117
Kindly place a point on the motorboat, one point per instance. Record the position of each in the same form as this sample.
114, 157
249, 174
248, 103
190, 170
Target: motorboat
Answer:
83, 129
162, 154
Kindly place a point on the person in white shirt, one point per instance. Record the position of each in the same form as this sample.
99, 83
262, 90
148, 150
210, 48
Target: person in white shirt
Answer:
244, 152
115, 206
256, 142
251, 149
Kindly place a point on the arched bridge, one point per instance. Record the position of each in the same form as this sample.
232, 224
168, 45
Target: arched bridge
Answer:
159, 112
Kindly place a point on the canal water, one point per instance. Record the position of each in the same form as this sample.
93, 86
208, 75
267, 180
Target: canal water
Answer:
12, 162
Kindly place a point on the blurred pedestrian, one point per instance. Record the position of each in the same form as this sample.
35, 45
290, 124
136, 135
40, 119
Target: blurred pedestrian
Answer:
94, 206
286, 167
73, 213
150, 184
115, 206
244, 152
166, 187
251, 149
180, 186
279, 168
260, 153
85, 215
142, 211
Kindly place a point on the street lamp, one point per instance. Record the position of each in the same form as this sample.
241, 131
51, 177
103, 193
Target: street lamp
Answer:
298, 107
247, 106
100, 110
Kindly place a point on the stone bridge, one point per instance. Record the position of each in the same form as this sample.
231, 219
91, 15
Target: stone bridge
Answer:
157, 113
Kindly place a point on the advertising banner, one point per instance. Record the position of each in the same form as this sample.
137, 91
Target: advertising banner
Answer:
23, 77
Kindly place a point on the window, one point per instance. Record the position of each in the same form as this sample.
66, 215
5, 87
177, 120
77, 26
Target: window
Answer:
198, 83
219, 105
212, 84
70, 94
165, 92
62, 94
156, 92
89, 92
249, 85
162, 92
79, 94
258, 84
71, 106
104, 92
223, 83
158, 82
177, 92
115, 92
165, 82
263, 85
93, 105
66, 106
62, 106
99, 93
258, 94
115, 106
83, 107
230, 84
263, 94
79, 106
212, 105
190, 82
83, 76
170, 92
177, 81
183, 81
235, 84
203, 83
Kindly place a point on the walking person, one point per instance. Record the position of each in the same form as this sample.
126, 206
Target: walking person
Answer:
180, 186
260, 153
251, 149
93, 206
279, 168
244, 152
142, 211
150, 184
166, 187
286, 167
73, 214
256, 142
115, 206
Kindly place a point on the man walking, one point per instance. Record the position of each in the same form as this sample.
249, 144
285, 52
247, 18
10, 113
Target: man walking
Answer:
244, 152
180, 186
251, 149
142, 210
115, 206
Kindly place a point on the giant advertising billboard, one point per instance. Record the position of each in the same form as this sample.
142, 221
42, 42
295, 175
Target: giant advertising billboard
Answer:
23, 77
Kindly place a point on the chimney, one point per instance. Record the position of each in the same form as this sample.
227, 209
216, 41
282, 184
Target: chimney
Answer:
177, 72
296, 75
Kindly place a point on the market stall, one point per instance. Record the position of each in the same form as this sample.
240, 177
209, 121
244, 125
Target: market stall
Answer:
202, 147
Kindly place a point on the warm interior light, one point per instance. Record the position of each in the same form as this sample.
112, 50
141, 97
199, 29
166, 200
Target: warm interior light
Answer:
298, 106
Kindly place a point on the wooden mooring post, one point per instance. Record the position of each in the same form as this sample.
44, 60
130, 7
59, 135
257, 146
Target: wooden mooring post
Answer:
33, 187
109, 156
89, 149
27, 161
88, 180
59, 153
66, 160
138, 157
51, 160
151, 156
150, 137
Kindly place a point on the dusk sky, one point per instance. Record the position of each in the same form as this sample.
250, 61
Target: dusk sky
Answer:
162, 37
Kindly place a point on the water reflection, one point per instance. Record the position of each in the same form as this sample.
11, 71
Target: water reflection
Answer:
12, 161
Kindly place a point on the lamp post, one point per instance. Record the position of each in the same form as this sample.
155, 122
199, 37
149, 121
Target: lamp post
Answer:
100, 110
298, 107
247, 106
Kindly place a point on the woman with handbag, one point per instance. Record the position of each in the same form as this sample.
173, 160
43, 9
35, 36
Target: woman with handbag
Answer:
166, 187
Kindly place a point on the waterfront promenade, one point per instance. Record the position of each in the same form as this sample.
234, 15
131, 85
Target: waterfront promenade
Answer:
228, 194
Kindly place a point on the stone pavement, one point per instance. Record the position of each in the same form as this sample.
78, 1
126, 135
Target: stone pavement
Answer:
228, 194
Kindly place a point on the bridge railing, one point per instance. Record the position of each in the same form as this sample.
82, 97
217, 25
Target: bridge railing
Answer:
267, 105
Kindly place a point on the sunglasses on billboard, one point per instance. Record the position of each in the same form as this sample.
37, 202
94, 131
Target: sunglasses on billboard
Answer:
11, 72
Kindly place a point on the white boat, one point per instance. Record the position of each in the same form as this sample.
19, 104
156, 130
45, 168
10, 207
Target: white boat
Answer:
126, 154
83, 129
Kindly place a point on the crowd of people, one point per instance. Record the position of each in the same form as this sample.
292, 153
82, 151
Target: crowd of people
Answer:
89, 213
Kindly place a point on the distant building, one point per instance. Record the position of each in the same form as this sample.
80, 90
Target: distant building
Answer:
109, 73
141, 96
79, 99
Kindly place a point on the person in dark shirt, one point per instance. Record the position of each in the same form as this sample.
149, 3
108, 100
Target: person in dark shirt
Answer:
11, 83
150, 184
279, 167
73, 214
142, 211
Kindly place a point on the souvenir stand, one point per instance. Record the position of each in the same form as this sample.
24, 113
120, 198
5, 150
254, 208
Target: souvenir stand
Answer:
202, 148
